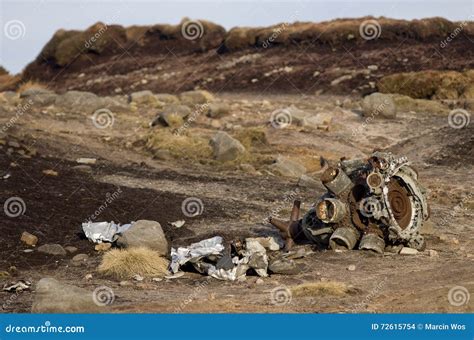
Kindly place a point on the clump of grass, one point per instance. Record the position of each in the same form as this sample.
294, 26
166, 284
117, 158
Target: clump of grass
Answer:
181, 146
320, 289
125, 263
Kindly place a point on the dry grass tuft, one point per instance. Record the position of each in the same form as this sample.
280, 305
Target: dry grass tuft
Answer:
320, 289
30, 84
182, 146
125, 263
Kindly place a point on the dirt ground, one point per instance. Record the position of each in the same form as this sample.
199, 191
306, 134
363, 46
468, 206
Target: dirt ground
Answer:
235, 205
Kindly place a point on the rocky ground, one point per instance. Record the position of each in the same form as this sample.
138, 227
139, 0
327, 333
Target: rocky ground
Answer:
245, 156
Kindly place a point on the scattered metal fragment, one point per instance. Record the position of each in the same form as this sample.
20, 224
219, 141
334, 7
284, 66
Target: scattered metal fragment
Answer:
18, 286
99, 232
177, 224
369, 203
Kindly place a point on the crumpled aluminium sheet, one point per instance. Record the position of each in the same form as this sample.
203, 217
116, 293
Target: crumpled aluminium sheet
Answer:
254, 256
99, 232
195, 252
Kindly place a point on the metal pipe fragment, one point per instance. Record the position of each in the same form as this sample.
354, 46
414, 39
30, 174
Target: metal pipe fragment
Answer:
372, 242
331, 210
336, 180
344, 238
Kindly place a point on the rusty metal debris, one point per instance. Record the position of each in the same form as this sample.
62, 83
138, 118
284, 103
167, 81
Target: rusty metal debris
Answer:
369, 203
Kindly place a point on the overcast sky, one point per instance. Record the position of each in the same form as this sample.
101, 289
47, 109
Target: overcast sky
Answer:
28, 24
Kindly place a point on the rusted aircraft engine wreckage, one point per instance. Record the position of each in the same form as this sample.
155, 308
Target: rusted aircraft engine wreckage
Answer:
369, 204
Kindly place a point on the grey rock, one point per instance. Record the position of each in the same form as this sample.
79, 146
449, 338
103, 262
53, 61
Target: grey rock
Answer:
226, 148
83, 168
144, 233
52, 249
70, 249
114, 104
172, 115
287, 168
53, 296
167, 98
298, 116
284, 267
79, 101
379, 105
145, 97
79, 260
408, 251
217, 110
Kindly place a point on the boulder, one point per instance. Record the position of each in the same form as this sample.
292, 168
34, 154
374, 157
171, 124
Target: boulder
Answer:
378, 105
52, 249
144, 233
53, 296
217, 110
172, 115
145, 97
39, 96
167, 98
287, 168
192, 98
284, 267
79, 260
79, 101
226, 148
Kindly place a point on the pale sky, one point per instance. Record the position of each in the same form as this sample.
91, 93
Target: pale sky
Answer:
31, 23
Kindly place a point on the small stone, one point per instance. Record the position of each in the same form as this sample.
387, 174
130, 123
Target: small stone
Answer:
217, 110
157, 279
373, 67
88, 277
52, 249
138, 277
455, 241
103, 246
85, 160
28, 250
432, 253
50, 172
287, 168
192, 98
216, 124
393, 249
408, 251
178, 224
29, 239
70, 249
285, 267
316, 73
145, 233
254, 80
83, 168
125, 283
226, 148
351, 268
379, 105
259, 281
79, 259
